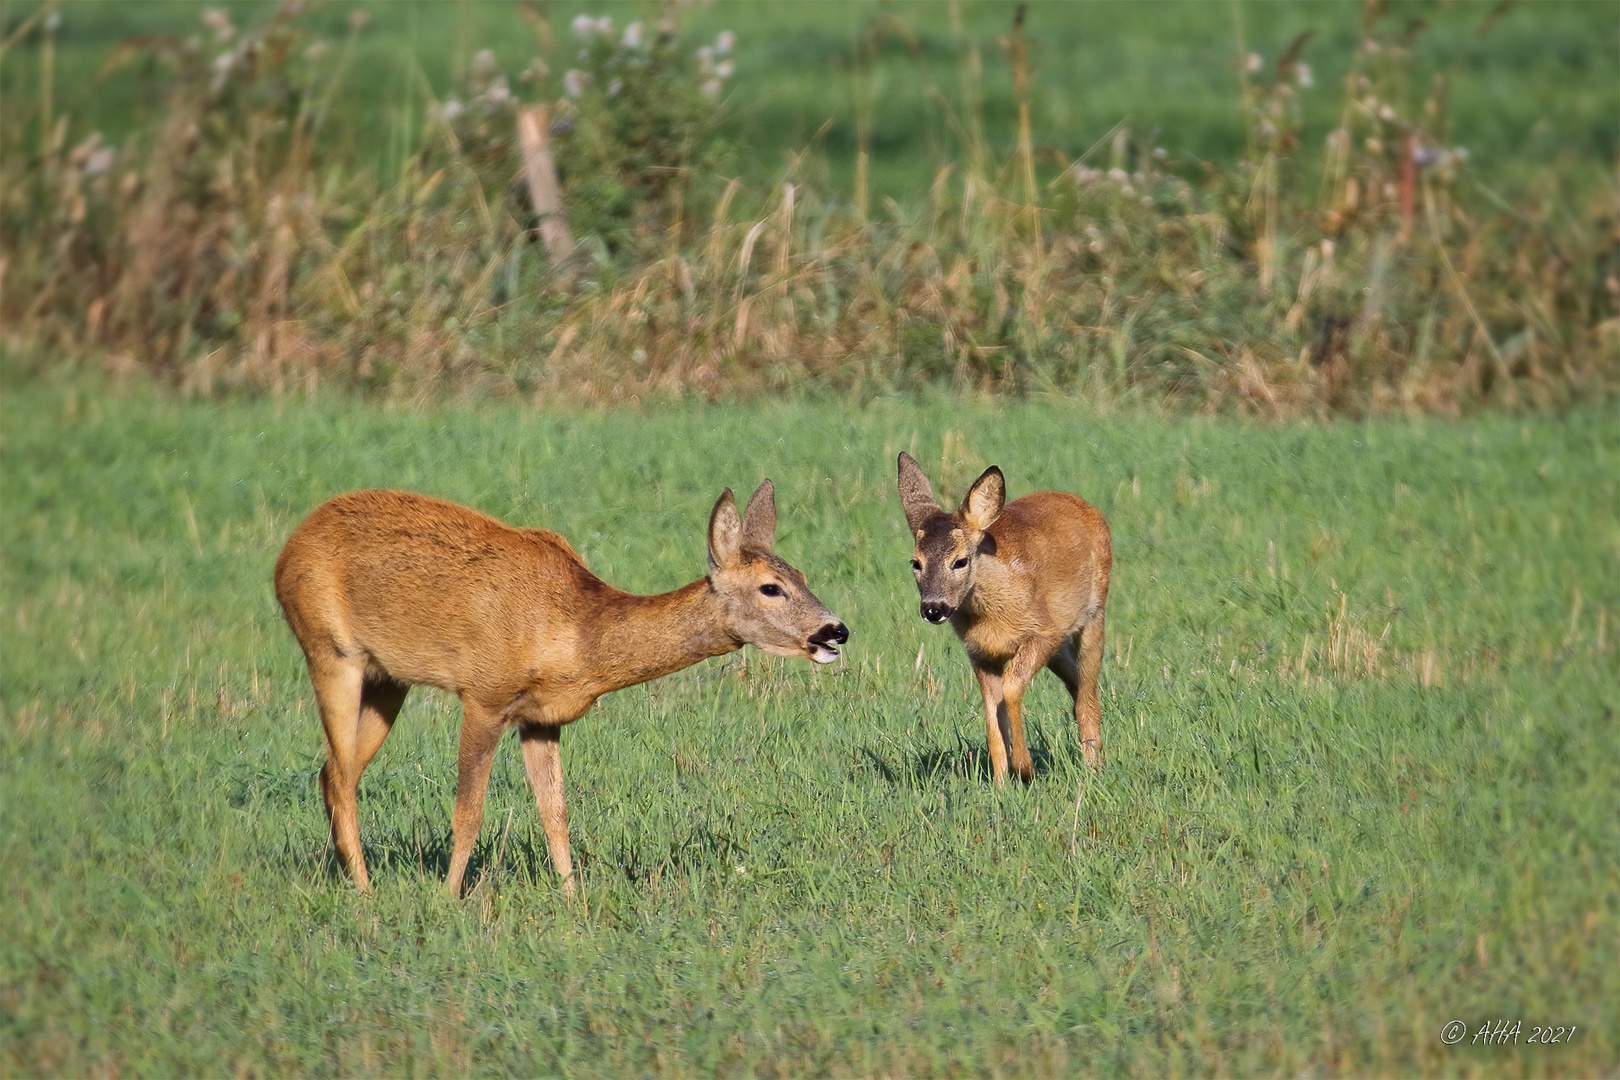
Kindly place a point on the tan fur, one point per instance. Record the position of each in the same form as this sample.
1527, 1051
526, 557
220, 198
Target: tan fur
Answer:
1024, 585
386, 590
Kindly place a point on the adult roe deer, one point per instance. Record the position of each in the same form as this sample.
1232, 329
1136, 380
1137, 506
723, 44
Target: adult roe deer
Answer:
386, 590
1024, 584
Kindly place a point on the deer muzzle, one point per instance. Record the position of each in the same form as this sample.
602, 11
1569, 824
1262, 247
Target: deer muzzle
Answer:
823, 642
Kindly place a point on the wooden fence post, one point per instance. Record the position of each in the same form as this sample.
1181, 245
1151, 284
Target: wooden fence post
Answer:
534, 127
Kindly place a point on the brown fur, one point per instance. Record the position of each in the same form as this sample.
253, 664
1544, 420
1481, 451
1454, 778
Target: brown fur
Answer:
1024, 585
386, 590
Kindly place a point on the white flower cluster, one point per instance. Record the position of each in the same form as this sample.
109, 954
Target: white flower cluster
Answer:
716, 72
713, 66
226, 62
240, 50
1085, 175
1297, 70
490, 92
1390, 130
585, 27
220, 23
1145, 182
92, 157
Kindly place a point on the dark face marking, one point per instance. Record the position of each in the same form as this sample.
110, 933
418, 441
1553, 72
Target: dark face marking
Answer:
942, 562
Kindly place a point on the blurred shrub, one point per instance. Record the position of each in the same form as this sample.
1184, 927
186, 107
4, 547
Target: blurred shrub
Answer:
227, 245
634, 120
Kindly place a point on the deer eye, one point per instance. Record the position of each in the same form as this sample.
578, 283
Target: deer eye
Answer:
771, 590
959, 563
915, 565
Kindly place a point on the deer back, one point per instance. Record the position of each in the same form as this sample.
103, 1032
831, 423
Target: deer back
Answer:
1042, 568
432, 592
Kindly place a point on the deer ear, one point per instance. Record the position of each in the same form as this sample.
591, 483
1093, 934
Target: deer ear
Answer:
725, 533
759, 520
916, 494
984, 500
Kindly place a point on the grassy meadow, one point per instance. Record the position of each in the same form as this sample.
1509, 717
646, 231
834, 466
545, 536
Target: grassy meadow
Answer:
1359, 714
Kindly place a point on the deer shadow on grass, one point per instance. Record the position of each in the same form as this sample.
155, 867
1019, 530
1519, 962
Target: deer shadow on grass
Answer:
926, 766
521, 855
517, 853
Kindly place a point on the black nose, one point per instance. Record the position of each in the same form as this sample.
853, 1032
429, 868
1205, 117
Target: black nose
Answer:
836, 633
935, 612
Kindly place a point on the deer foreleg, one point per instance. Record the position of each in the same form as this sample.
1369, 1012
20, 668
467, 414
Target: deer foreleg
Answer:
542, 756
1032, 655
990, 683
480, 732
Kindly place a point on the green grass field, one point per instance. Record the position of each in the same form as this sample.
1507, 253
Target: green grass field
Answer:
1359, 711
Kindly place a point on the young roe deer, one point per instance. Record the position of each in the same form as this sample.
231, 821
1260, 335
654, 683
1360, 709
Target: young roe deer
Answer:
387, 590
1024, 584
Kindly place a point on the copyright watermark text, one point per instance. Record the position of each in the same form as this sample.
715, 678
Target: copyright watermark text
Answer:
1506, 1033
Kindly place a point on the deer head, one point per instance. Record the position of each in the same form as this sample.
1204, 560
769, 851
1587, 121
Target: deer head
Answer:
766, 602
946, 546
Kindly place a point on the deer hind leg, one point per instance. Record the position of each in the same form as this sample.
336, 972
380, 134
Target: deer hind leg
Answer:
380, 701
1087, 705
481, 730
1065, 664
1033, 655
338, 694
542, 756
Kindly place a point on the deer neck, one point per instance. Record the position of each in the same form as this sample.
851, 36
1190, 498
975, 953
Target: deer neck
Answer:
639, 638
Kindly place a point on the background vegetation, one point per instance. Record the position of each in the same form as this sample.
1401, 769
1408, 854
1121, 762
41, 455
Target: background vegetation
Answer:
1278, 209
1359, 710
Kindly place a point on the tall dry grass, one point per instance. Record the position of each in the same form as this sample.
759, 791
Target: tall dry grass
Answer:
231, 246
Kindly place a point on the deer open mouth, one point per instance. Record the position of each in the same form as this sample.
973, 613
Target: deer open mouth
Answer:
823, 644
